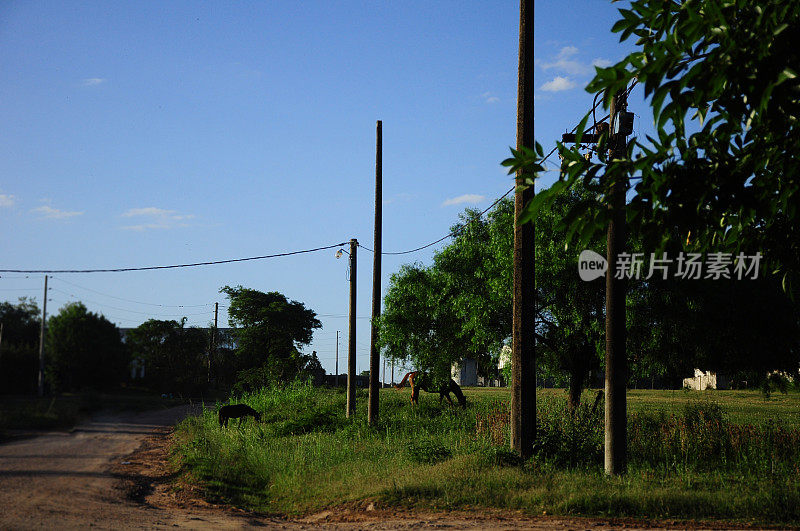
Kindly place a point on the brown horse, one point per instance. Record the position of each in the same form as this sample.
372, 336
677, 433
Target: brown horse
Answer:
419, 380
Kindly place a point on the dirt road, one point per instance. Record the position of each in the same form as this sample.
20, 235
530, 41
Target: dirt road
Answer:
111, 473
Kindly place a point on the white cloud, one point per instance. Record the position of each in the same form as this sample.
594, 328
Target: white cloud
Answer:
156, 218
602, 63
563, 63
49, 212
7, 200
567, 51
558, 84
462, 199
93, 81
488, 97
147, 211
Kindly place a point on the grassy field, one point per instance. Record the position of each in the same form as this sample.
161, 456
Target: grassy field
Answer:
742, 407
719, 455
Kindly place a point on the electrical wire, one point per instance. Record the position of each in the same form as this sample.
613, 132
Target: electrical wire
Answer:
130, 300
209, 312
452, 234
175, 266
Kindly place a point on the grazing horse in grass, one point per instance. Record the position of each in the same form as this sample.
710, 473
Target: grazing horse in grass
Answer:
420, 380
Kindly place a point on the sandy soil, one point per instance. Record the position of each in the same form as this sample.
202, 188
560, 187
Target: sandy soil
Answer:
112, 473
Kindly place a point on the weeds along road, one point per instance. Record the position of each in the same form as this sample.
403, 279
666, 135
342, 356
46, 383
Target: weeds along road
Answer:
111, 473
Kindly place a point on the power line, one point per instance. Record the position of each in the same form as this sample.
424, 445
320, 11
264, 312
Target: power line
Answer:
130, 311
175, 266
130, 300
454, 233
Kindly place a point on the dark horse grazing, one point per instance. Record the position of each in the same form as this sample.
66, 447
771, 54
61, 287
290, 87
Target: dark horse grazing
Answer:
419, 380
236, 411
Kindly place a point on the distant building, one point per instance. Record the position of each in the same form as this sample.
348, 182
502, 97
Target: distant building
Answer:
465, 372
703, 380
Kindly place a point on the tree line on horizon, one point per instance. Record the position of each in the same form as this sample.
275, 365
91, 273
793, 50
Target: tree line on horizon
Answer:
86, 351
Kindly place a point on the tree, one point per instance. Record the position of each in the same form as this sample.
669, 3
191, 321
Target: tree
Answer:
458, 307
571, 312
461, 304
270, 332
84, 350
723, 168
416, 327
679, 325
19, 356
174, 356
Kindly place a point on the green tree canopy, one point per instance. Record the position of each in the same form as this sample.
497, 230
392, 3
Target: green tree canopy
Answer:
458, 307
723, 167
19, 351
84, 350
270, 332
175, 357
570, 320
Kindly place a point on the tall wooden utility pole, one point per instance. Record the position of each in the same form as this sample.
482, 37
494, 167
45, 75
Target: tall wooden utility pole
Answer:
374, 351
337, 358
616, 358
351, 347
213, 348
523, 356
41, 340
1, 343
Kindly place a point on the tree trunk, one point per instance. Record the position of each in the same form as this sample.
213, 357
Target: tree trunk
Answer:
576, 378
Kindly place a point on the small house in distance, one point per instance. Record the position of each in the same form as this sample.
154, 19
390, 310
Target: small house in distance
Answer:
465, 373
703, 380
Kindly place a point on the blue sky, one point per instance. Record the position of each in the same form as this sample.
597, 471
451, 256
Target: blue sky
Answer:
154, 133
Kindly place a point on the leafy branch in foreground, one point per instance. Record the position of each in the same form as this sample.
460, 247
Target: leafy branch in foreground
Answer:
722, 171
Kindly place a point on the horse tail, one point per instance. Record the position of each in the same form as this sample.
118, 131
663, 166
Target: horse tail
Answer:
403, 381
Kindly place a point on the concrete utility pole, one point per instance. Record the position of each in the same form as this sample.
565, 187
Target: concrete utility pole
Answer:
616, 358
374, 351
337, 358
351, 347
523, 356
41, 340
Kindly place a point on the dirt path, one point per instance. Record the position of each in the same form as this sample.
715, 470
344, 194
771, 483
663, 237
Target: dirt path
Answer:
111, 473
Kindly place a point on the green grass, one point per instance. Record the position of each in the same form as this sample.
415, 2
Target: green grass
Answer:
689, 458
742, 407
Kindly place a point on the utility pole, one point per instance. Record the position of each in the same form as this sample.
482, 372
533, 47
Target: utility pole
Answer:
1, 342
41, 340
374, 351
213, 348
351, 347
337, 358
523, 355
616, 358
383, 380
392, 372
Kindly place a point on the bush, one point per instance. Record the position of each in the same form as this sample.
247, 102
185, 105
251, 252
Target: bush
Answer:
568, 438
